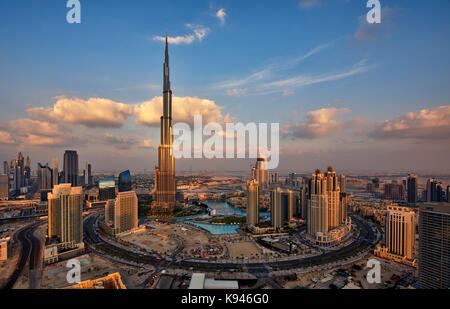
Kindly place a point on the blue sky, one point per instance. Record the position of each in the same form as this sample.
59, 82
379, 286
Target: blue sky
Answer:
265, 61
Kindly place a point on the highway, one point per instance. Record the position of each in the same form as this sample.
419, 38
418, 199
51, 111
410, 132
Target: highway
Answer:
30, 253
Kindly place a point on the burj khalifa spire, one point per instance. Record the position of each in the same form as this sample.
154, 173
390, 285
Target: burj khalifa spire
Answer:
165, 185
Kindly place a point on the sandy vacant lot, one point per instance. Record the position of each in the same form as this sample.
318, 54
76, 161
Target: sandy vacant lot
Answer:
242, 249
154, 241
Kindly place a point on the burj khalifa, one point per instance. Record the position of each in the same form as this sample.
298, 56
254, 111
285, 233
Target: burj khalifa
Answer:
165, 185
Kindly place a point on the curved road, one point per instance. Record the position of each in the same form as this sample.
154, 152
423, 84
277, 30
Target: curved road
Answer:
365, 240
31, 252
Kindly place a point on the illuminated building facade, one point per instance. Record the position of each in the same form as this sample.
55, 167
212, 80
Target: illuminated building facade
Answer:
65, 214
400, 236
165, 185
252, 203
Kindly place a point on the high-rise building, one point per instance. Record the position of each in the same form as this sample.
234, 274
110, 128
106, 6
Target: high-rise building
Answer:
412, 189
431, 191
304, 197
276, 209
400, 236
44, 177
88, 175
343, 184
440, 193
333, 193
65, 214
434, 246
327, 221
71, 167
260, 173
4, 191
121, 214
107, 189
252, 203
27, 173
55, 172
318, 205
393, 191
165, 185
5, 168
448, 194
125, 182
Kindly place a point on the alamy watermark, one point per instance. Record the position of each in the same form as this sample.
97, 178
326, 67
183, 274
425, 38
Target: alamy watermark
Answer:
74, 274
374, 15
235, 141
374, 274
74, 14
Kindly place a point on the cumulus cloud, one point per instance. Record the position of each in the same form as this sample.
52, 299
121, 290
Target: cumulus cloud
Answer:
94, 112
425, 124
318, 124
221, 14
198, 33
42, 133
117, 141
306, 4
6, 138
184, 109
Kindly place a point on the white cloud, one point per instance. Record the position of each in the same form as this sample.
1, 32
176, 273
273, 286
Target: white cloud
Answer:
184, 110
235, 92
6, 138
221, 14
198, 34
42, 133
318, 124
263, 82
425, 124
94, 112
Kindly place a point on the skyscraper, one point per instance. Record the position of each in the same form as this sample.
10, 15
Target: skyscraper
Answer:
55, 172
44, 177
71, 167
252, 203
327, 220
5, 168
107, 188
431, 190
260, 173
3, 187
88, 174
121, 214
393, 191
276, 215
434, 246
333, 194
400, 237
125, 182
318, 205
27, 172
343, 184
412, 189
165, 186
65, 214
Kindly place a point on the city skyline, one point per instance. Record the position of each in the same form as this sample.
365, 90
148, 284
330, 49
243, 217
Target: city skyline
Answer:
342, 97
